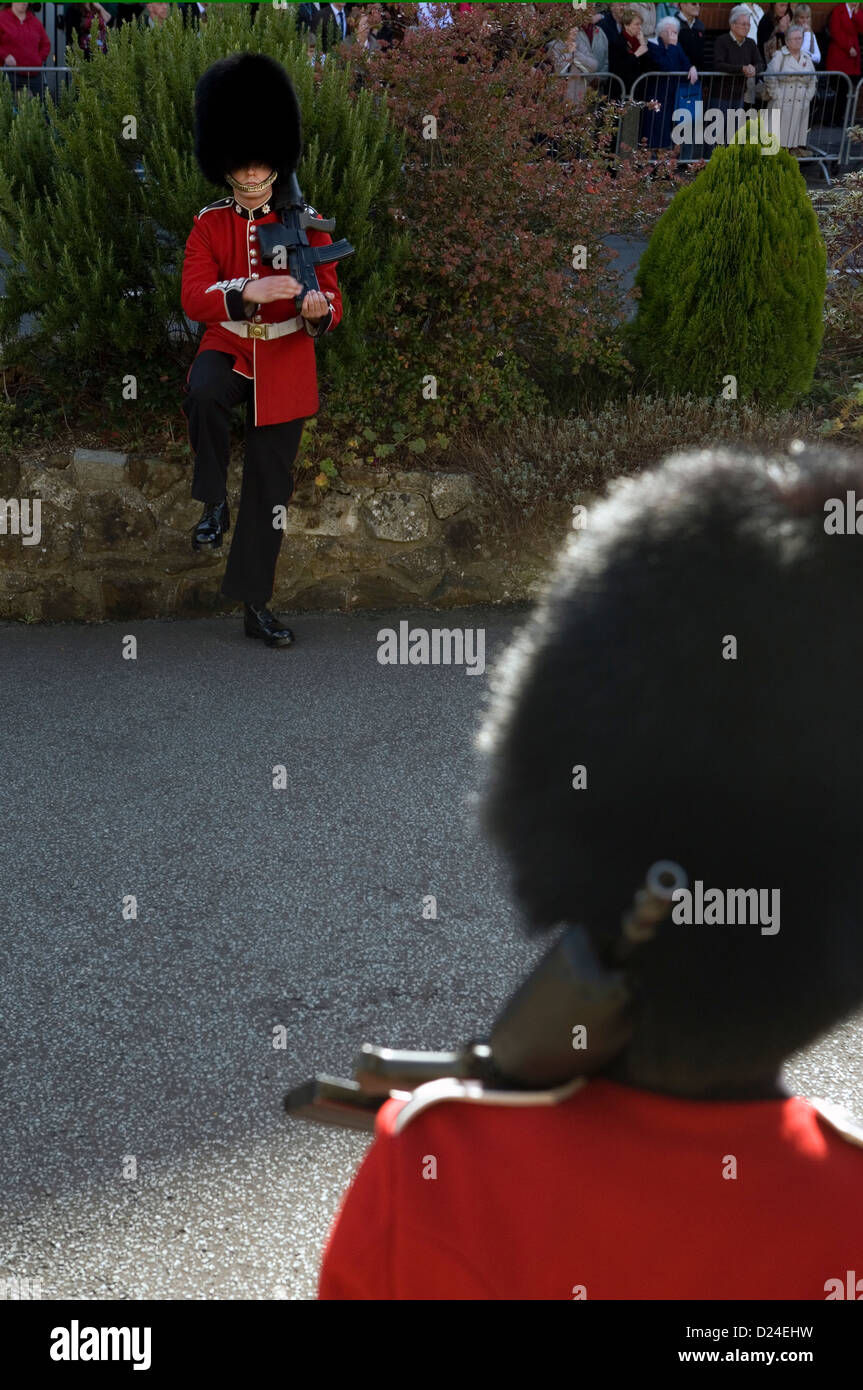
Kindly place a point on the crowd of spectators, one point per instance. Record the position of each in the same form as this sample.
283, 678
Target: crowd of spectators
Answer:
618, 46
767, 57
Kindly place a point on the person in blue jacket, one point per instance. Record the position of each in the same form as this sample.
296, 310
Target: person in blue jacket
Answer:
668, 58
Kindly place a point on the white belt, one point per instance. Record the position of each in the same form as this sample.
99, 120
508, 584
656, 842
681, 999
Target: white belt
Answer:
263, 330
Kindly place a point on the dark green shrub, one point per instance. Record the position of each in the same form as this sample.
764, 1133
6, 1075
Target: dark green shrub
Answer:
733, 282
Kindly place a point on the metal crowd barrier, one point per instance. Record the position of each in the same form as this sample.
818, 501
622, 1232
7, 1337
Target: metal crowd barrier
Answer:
603, 84
38, 81
853, 153
804, 112
825, 114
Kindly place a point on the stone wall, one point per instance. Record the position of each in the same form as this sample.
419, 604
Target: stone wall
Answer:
116, 543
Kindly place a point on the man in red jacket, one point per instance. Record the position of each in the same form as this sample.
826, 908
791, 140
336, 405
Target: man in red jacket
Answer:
257, 349
845, 28
686, 692
23, 44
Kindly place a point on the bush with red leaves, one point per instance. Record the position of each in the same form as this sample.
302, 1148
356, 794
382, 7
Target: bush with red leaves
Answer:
509, 304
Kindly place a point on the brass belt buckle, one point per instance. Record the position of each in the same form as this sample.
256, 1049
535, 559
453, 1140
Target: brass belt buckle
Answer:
257, 330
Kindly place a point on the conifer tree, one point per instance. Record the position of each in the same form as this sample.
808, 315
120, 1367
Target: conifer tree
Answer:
733, 282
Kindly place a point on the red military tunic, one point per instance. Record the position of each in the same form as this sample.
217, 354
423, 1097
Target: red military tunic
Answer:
221, 258
612, 1193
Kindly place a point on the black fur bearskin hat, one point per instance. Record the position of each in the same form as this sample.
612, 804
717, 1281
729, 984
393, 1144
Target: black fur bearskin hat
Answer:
699, 657
246, 111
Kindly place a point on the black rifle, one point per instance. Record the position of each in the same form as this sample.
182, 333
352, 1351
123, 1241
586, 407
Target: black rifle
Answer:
531, 1046
288, 237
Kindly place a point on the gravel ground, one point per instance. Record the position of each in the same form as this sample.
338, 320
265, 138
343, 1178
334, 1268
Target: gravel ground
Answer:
145, 1153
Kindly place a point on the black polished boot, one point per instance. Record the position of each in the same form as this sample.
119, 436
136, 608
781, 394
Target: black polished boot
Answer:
215, 521
260, 622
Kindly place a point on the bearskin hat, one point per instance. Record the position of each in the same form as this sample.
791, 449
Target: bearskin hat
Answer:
742, 771
246, 112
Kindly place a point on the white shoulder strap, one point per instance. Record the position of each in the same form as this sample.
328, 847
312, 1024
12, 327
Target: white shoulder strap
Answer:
211, 207
450, 1088
841, 1120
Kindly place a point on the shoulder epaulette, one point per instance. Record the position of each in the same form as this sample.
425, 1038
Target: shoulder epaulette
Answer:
222, 203
474, 1092
842, 1121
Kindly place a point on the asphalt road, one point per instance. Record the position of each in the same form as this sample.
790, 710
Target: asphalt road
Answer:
151, 1039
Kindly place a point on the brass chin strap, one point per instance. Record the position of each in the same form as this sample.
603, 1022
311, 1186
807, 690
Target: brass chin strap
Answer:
653, 901
251, 187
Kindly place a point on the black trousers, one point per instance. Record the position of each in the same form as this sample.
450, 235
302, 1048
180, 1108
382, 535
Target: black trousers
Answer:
214, 390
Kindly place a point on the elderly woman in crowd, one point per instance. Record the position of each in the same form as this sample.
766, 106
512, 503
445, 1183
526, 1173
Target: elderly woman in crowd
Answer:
632, 58
802, 14
628, 61
648, 19
791, 83
668, 57
584, 51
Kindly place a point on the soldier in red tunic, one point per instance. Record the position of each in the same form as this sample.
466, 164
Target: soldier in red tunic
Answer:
696, 667
258, 345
